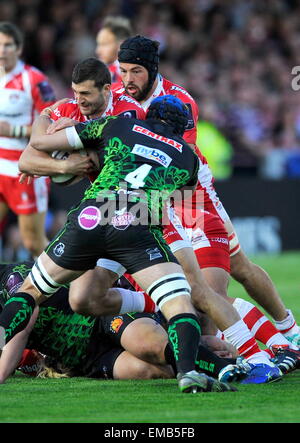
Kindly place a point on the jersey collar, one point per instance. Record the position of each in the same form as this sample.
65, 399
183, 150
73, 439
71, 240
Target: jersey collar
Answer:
159, 90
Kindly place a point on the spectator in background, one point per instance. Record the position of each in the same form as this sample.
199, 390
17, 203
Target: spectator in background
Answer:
113, 32
214, 49
25, 91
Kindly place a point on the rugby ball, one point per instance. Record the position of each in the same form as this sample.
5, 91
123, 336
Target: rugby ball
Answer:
64, 179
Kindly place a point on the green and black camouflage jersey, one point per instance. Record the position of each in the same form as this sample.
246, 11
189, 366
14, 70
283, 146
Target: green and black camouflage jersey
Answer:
143, 155
58, 332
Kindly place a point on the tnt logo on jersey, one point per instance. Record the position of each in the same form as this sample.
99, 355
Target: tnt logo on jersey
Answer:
152, 154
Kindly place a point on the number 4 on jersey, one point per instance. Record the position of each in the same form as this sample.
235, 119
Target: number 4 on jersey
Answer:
136, 178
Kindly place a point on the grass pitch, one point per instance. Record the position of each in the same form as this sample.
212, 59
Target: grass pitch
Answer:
78, 400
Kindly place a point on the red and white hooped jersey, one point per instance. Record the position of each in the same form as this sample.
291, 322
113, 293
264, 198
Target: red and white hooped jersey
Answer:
25, 92
118, 104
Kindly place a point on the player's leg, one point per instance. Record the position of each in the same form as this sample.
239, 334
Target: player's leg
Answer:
32, 230
168, 287
144, 337
90, 294
45, 278
3, 210
94, 293
260, 288
127, 366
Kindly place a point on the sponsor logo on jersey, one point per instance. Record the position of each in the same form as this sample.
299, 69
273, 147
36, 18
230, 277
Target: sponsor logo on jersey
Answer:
128, 99
89, 217
122, 220
14, 282
59, 249
220, 240
153, 253
190, 123
159, 137
128, 114
152, 154
179, 89
115, 324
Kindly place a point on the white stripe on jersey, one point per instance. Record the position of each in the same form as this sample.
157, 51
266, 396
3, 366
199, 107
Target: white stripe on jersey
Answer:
9, 168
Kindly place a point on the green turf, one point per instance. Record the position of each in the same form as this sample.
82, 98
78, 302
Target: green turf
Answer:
77, 400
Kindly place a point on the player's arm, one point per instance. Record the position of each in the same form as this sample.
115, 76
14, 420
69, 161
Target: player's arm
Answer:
42, 141
12, 351
40, 163
83, 135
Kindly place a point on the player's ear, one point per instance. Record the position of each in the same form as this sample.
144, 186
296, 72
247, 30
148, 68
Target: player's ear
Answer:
107, 87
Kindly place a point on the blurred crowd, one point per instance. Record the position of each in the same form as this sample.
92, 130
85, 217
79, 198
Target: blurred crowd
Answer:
236, 58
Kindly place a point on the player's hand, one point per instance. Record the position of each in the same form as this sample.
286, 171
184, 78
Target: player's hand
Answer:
47, 111
5, 128
26, 178
76, 164
62, 123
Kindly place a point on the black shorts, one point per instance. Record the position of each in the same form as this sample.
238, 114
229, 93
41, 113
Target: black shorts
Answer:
89, 234
114, 326
106, 343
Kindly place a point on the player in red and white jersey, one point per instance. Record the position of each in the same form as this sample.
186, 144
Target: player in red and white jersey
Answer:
25, 91
91, 84
114, 30
141, 80
116, 104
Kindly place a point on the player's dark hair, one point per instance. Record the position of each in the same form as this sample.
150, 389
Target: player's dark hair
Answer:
119, 26
91, 69
13, 31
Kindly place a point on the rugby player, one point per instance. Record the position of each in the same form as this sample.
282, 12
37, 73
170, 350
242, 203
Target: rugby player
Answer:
114, 30
139, 65
126, 346
25, 92
102, 226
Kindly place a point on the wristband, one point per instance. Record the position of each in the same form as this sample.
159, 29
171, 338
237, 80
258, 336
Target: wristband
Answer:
18, 131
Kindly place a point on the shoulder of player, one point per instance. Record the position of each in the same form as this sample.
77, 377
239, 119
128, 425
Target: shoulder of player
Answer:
126, 100
179, 91
35, 74
68, 109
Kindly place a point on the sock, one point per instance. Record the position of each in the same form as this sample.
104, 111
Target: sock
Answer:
261, 327
241, 338
184, 335
135, 301
288, 326
16, 314
206, 361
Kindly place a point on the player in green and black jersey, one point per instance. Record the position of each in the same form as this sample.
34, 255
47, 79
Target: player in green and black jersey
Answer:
91, 347
150, 157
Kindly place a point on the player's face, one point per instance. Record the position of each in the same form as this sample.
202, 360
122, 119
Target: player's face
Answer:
91, 101
135, 79
107, 46
9, 52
